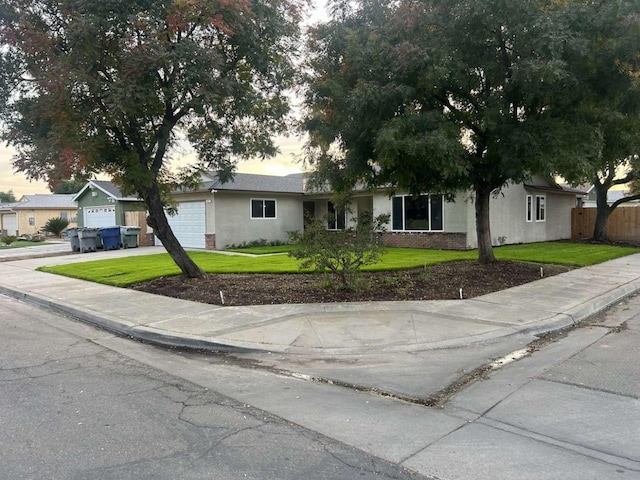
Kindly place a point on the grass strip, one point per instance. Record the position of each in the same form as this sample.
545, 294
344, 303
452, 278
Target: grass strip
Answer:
123, 272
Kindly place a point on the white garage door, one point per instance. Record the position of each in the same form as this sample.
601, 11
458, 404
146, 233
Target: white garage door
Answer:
10, 223
96, 217
189, 225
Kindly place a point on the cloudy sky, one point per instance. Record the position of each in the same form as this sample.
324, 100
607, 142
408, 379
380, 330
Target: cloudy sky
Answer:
286, 162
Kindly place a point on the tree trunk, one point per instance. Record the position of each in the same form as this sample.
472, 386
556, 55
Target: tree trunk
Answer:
158, 221
602, 215
483, 226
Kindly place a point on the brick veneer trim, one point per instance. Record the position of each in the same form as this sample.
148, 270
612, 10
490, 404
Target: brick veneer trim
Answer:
210, 241
450, 241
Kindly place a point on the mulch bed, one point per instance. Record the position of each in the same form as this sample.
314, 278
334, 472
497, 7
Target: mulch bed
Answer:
437, 282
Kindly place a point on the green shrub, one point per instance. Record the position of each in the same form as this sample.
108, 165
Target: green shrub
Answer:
261, 242
341, 253
55, 226
8, 239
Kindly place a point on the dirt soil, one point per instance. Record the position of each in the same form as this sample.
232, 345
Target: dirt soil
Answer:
436, 282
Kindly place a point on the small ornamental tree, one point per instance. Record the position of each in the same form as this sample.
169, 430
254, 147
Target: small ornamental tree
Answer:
340, 253
55, 226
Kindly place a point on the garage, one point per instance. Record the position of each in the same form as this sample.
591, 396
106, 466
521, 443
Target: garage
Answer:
189, 224
97, 217
9, 223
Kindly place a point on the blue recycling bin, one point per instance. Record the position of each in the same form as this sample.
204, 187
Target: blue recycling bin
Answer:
110, 237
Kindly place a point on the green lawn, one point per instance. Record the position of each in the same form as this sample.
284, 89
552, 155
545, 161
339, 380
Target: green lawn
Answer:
20, 244
126, 271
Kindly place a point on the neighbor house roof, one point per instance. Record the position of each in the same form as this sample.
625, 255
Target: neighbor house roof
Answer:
44, 201
108, 188
554, 187
249, 182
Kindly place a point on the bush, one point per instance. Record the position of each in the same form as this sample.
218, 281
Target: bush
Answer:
341, 253
56, 226
261, 242
8, 239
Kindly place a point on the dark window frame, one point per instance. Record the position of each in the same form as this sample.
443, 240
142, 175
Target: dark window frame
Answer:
335, 220
263, 209
422, 213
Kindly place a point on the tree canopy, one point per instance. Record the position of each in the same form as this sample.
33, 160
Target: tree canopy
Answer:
7, 197
68, 186
444, 95
605, 99
110, 86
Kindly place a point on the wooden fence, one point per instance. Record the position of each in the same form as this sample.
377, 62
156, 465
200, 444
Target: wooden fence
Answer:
138, 219
623, 224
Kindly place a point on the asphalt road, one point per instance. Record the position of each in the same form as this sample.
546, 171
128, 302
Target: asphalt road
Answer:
77, 402
71, 408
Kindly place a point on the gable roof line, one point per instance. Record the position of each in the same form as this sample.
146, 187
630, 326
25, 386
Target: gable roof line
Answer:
251, 182
40, 201
108, 188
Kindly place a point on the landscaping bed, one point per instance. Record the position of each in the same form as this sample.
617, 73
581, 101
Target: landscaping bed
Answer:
441, 281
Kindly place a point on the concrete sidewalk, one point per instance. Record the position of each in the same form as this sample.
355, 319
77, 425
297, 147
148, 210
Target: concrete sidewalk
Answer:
324, 329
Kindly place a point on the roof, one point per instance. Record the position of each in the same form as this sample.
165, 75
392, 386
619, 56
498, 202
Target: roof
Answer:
249, 182
44, 201
554, 187
108, 188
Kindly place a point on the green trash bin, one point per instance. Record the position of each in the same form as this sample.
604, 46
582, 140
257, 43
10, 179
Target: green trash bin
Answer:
129, 236
87, 239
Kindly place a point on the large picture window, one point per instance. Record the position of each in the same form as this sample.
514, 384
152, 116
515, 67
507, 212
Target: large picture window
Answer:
336, 219
263, 208
423, 213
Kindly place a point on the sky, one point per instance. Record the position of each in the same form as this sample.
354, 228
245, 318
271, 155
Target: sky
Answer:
286, 162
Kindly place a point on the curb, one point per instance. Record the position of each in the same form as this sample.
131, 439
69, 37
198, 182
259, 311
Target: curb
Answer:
164, 338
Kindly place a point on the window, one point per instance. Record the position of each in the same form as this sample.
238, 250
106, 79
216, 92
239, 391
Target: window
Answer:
263, 208
541, 207
529, 208
423, 213
336, 220
64, 215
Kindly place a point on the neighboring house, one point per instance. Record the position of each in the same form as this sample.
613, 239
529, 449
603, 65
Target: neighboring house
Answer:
253, 207
101, 204
612, 196
215, 215
31, 212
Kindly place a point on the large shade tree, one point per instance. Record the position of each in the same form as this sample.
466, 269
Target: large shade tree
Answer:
605, 100
111, 86
440, 96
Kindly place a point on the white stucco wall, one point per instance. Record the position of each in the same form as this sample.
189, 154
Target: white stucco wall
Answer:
508, 216
234, 225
